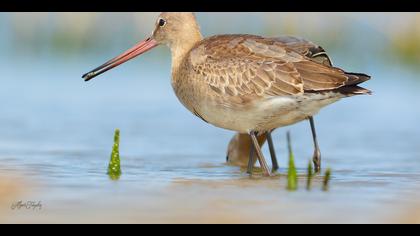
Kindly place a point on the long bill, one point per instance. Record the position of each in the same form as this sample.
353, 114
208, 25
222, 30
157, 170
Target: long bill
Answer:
133, 52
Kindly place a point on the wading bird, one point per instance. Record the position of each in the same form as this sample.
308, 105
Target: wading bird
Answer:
240, 147
246, 83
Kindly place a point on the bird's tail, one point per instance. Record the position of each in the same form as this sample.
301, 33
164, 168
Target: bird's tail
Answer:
356, 78
351, 88
354, 90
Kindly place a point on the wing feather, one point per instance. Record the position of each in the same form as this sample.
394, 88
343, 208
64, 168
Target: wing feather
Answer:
247, 65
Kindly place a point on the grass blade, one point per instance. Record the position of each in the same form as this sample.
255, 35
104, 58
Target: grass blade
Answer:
327, 178
292, 182
310, 176
114, 167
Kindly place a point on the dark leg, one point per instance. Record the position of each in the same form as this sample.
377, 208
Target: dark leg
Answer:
260, 156
251, 160
317, 152
272, 152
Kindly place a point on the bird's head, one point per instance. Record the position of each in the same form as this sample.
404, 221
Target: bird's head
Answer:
171, 28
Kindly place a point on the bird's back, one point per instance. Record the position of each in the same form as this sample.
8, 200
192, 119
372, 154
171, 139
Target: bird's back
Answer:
247, 82
242, 65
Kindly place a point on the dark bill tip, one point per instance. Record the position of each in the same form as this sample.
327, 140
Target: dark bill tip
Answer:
88, 76
133, 52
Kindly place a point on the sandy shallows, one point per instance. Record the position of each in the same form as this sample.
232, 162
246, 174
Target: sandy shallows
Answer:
10, 190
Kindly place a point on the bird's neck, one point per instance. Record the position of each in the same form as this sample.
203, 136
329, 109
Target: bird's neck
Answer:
180, 49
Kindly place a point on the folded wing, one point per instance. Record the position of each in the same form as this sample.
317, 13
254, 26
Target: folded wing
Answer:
245, 65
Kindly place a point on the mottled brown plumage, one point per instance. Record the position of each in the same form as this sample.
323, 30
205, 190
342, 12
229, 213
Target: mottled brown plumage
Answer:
239, 146
236, 71
245, 83
242, 65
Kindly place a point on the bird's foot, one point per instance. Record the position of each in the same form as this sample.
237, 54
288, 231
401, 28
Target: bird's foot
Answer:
317, 161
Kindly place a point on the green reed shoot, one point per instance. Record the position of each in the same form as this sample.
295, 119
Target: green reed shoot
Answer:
114, 167
327, 178
310, 176
292, 181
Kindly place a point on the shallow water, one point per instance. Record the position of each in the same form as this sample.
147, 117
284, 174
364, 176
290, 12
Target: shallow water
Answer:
56, 138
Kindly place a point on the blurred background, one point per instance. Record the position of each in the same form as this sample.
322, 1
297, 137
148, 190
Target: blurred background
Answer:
56, 130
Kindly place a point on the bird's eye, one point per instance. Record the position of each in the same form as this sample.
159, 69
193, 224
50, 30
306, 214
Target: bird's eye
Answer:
162, 22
